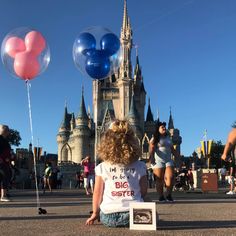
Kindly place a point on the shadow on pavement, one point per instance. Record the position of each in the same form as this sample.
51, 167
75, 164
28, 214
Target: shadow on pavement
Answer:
184, 225
44, 204
44, 217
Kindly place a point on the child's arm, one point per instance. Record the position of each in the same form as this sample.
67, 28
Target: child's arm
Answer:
143, 185
97, 199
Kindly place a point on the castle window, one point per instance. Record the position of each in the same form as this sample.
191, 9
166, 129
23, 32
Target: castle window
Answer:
113, 78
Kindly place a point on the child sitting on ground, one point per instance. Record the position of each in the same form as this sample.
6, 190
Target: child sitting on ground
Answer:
120, 178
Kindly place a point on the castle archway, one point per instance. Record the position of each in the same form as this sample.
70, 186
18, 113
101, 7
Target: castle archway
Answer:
66, 153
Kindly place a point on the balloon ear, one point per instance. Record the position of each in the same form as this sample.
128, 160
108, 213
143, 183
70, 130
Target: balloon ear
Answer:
86, 42
97, 65
14, 45
35, 42
110, 43
26, 65
90, 52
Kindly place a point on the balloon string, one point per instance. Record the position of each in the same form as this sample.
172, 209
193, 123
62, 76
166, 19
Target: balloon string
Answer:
32, 141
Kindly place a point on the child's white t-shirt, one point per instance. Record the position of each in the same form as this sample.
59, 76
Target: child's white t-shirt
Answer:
121, 185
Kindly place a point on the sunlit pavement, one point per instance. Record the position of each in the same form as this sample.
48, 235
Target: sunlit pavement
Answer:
192, 213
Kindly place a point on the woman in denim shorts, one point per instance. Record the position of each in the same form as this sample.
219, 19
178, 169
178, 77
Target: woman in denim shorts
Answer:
160, 149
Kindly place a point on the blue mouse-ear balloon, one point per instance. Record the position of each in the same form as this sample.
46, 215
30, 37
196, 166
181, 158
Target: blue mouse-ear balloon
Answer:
110, 43
97, 52
97, 64
85, 42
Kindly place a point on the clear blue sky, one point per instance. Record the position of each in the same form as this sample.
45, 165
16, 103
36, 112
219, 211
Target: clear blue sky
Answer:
187, 51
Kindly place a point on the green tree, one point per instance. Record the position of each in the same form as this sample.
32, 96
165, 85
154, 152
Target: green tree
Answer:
14, 137
216, 152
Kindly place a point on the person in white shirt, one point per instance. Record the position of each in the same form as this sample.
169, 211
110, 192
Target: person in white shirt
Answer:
120, 177
223, 172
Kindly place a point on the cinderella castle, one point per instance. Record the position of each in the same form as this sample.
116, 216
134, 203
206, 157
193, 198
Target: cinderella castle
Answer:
121, 95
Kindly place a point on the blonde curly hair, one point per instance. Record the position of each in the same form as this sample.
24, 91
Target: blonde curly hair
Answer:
119, 145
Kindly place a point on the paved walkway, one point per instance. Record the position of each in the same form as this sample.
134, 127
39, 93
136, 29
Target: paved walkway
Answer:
191, 214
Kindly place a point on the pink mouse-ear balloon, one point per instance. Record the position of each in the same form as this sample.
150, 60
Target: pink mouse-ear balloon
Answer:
35, 42
14, 45
26, 65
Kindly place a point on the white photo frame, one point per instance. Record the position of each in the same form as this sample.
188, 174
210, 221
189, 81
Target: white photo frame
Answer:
142, 216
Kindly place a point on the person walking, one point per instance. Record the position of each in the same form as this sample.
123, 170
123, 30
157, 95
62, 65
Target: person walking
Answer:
88, 174
228, 156
190, 179
223, 172
160, 150
48, 177
120, 178
5, 158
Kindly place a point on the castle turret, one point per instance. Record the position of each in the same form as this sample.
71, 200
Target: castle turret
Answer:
63, 137
81, 134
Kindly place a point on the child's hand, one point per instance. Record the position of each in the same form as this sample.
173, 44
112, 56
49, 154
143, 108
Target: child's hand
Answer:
91, 219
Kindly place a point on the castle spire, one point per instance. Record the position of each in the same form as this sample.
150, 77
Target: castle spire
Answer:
125, 16
64, 123
171, 122
149, 112
82, 111
72, 121
126, 44
137, 71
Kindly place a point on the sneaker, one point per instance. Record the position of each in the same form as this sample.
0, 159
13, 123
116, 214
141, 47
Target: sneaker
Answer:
5, 199
169, 198
162, 199
230, 193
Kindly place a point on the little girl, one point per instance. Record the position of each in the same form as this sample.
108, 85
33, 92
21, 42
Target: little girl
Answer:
120, 178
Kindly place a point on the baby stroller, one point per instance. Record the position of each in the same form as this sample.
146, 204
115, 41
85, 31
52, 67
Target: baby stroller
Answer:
181, 182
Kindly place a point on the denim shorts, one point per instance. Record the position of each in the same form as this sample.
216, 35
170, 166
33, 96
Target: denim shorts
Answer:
162, 164
117, 219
